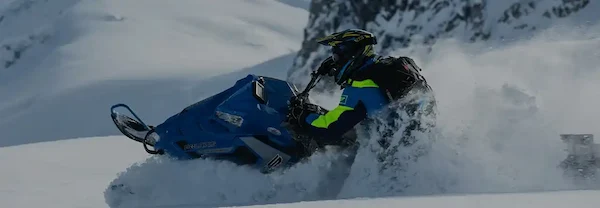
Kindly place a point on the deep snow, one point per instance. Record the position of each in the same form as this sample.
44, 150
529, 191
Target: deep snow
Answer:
62, 174
501, 112
67, 173
521, 200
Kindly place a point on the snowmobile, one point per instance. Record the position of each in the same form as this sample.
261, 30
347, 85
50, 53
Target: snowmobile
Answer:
245, 124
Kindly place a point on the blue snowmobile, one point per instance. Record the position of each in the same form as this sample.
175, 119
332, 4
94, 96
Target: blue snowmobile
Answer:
245, 124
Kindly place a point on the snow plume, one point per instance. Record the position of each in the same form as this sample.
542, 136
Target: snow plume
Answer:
391, 145
500, 113
162, 182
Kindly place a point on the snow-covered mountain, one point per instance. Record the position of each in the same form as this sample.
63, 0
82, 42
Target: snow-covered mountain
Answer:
58, 55
411, 23
502, 108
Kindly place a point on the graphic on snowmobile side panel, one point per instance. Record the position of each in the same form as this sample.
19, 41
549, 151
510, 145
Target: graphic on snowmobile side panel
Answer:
275, 162
201, 145
266, 153
274, 131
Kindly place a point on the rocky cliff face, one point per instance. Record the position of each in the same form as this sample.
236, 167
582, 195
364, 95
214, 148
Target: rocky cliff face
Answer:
24, 25
402, 23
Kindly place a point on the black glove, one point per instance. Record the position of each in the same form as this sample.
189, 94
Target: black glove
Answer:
326, 67
296, 114
298, 111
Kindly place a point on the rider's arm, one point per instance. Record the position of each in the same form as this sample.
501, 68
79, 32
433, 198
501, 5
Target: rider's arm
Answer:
355, 103
337, 121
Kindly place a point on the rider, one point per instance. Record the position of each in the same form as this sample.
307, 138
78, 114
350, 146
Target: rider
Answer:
369, 82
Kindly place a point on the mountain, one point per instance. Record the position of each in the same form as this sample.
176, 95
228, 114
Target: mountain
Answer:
421, 23
63, 63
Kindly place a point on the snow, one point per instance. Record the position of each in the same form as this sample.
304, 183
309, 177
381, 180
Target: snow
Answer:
133, 51
501, 111
303, 4
67, 173
522, 200
74, 173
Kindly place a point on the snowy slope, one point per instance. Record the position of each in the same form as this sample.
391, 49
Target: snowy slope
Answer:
60, 174
151, 54
521, 200
303, 4
68, 173
501, 110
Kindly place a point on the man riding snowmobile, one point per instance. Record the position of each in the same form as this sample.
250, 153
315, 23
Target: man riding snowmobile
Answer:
243, 123
370, 83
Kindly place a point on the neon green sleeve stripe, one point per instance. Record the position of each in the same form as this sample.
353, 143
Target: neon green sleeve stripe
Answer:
323, 121
363, 84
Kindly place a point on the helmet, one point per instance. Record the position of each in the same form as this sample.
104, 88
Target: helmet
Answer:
350, 50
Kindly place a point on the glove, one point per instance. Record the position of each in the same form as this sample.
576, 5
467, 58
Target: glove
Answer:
326, 67
297, 113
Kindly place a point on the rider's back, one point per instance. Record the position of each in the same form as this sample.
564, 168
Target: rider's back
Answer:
406, 92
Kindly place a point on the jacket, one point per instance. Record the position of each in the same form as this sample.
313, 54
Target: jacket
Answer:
364, 96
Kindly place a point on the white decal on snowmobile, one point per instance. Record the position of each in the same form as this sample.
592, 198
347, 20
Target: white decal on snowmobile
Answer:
274, 131
201, 145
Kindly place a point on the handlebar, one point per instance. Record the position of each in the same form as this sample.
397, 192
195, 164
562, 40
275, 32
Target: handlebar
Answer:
303, 96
